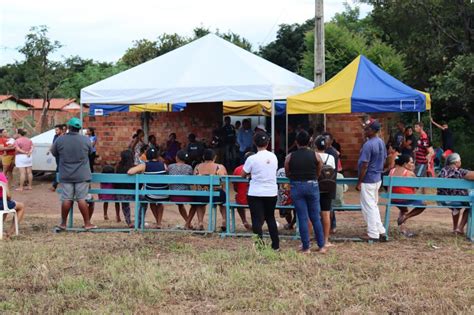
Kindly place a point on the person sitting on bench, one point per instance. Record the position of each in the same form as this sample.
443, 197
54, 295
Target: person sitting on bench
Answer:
453, 170
404, 167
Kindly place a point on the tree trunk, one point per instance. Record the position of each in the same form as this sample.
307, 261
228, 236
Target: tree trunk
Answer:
44, 114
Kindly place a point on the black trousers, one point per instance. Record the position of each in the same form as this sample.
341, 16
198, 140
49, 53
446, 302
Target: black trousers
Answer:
263, 209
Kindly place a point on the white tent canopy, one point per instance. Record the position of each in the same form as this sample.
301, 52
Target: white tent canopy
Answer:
209, 69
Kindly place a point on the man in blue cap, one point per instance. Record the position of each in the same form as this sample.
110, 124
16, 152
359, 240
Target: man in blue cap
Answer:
73, 150
370, 165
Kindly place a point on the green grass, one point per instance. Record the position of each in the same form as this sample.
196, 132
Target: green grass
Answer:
83, 273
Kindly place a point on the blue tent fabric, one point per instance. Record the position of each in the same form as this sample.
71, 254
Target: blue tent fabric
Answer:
377, 91
105, 110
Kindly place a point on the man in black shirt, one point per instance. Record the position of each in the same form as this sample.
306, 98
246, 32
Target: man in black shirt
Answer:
195, 150
229, 148
447, 140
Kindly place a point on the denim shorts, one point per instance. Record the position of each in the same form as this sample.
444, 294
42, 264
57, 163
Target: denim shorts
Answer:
11, 204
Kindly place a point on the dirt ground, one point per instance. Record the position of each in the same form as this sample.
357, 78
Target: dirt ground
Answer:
44, 203
152, 273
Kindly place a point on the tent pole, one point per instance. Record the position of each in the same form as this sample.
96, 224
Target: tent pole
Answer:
324, 122
286, 130
419, 116
81, 115
273, 125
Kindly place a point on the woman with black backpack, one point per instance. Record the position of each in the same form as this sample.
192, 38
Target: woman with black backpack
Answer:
327, 185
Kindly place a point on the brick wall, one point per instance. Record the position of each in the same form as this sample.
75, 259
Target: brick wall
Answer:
114, 132
347, 130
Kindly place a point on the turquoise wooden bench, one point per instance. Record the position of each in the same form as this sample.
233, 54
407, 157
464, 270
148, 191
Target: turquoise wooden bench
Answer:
231, 207
427, 182
140, 180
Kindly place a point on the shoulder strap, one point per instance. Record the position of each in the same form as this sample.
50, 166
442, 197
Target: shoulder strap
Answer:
327, 158
217, 170
391, 172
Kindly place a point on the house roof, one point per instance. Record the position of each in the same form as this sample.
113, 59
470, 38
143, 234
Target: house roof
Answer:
13, 98
55, 103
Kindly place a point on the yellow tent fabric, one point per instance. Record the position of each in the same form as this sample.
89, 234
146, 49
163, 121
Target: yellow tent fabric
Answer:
334, 97
258, 108
428, 99
157, 107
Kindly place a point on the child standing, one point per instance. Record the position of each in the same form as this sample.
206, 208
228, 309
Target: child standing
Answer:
126, 162
108, 169
241, 190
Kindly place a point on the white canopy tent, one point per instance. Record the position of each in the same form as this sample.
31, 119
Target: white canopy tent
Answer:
209, 69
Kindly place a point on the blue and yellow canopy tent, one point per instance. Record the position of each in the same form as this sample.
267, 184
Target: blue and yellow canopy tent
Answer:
361, 87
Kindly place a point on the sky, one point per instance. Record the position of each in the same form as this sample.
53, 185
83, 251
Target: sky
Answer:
103, 30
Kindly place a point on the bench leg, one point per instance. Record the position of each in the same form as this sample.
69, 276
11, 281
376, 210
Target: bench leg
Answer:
387, 220
15, 217
470, 226
71, 217
1, 226
232, 215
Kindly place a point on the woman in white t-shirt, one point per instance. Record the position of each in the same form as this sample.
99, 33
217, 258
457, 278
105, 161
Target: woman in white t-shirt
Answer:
263, 189
325, 199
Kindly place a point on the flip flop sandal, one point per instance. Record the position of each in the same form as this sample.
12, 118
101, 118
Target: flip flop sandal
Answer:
91, 228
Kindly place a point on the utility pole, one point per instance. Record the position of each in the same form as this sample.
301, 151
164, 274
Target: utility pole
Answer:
319, 58
319, 64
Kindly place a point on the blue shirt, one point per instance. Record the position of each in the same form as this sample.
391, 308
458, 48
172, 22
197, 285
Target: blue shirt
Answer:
374, 152
245, 139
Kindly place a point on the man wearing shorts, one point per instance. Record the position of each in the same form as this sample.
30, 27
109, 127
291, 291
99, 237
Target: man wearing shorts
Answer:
73, 150
424, 152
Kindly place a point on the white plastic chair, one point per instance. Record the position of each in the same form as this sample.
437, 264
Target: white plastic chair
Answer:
6, 210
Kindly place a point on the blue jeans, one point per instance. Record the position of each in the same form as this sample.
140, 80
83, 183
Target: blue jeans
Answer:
305, 196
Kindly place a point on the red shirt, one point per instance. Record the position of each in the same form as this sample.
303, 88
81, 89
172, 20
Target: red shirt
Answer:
3, 143
423, 144
242, 188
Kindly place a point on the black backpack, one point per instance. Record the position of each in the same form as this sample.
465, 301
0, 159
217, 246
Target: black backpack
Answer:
327, 179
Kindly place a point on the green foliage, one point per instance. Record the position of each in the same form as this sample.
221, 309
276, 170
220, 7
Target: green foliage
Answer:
453, 89
288, 48
343, 46
430, 33
144, 49
42, 75
91, 74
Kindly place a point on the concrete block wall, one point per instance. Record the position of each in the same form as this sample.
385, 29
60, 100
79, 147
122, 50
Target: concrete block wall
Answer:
347, 130
114, 132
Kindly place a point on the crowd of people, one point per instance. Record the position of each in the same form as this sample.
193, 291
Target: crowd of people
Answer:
406, 156
312, 166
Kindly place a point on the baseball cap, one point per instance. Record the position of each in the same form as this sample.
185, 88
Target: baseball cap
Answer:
372, 124
75, 122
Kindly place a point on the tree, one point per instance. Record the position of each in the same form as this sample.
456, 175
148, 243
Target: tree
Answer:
343, 46
91, 73
453, 89
43, 76
142, 51
429, 33
287, 50
236, 40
